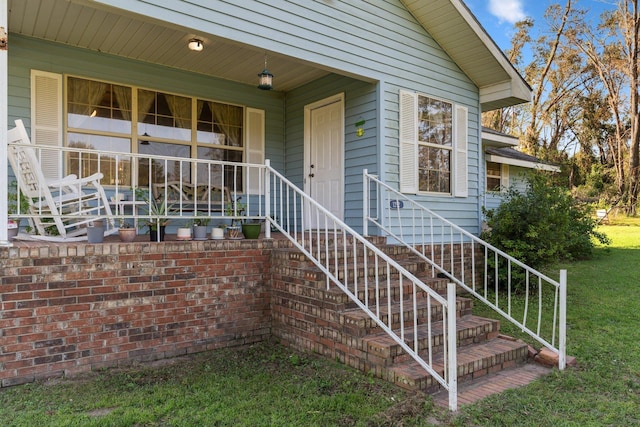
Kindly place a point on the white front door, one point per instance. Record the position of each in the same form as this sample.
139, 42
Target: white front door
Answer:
324, 156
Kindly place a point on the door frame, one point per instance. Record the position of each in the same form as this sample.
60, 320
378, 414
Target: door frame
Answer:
337, 98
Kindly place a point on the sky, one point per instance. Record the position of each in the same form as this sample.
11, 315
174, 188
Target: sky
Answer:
498, 16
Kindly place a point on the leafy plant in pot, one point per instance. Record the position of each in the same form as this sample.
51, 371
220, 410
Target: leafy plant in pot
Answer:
200, 226
250, 228
158, 209
234, 209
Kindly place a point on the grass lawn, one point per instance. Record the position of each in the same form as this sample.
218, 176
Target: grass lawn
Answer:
271, 385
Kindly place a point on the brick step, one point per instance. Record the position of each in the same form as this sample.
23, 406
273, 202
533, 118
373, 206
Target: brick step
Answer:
358, 323
493, 383
314, 238
367, 290
316, 292
295, 264
398, 253
474, 361
470, 329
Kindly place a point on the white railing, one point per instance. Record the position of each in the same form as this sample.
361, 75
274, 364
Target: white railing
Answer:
370, 278
538, 308
150, 189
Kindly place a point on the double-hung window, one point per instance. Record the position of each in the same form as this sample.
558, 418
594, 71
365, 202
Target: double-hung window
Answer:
433, 145
497, 177
494, 177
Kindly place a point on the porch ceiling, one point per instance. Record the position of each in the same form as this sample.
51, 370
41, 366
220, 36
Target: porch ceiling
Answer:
88, 25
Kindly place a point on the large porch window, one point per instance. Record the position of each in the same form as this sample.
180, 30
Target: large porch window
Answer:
127, 119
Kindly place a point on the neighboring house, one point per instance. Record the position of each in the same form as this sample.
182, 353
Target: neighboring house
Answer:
506, 167
396, 87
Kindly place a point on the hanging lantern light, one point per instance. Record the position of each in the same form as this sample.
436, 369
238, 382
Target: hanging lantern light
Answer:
265, 78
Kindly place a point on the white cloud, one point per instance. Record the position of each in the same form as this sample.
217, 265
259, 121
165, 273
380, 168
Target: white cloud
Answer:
511, 11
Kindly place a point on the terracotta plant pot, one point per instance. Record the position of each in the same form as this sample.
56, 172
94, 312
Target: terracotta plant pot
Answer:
127, 234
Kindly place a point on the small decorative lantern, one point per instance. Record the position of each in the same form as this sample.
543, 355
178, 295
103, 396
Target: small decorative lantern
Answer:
359, 127
265, 81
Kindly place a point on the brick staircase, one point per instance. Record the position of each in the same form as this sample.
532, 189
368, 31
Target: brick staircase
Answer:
310, 317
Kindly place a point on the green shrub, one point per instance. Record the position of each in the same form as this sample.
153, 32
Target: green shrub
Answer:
542, 225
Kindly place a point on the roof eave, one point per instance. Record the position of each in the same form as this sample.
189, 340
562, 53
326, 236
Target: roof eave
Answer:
464, 39
496, 139
522, 163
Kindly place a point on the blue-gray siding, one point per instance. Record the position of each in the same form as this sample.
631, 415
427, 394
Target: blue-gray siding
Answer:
376, 49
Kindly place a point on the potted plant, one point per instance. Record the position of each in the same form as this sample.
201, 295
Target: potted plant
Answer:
126, 232
158, 209
234, 209
217, 233
200, 228
95, 231
183, 233
250, 228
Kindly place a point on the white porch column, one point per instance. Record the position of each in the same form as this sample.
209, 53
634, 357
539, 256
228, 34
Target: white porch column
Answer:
4, 108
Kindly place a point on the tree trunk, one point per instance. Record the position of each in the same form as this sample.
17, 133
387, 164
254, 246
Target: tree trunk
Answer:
634, 158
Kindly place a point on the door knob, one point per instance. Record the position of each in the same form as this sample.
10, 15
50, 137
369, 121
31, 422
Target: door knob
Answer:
311, 175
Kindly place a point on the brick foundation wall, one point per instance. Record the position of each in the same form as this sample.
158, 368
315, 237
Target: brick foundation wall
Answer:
70, 308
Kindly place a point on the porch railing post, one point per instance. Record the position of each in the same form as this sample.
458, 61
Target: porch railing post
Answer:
365, 203
4, 127
562, 339
452, 356
267, 198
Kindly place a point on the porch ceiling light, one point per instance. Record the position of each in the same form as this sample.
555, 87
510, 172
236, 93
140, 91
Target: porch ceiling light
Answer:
196, 44
265, 78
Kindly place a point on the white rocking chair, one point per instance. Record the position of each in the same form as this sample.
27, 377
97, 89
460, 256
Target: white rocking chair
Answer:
60, 210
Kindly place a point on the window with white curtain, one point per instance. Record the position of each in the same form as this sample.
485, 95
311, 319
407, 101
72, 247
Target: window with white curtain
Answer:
125, 119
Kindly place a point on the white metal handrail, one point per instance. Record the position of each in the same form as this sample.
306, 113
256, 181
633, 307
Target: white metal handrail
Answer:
306, 223
203, 177
434, 239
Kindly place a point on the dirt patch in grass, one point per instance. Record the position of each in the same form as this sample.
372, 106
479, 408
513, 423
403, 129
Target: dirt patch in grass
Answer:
101, 412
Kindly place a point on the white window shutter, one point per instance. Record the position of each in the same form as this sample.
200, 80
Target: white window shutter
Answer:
408, 142
46, 119
255, 140
504, 178
461, 185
